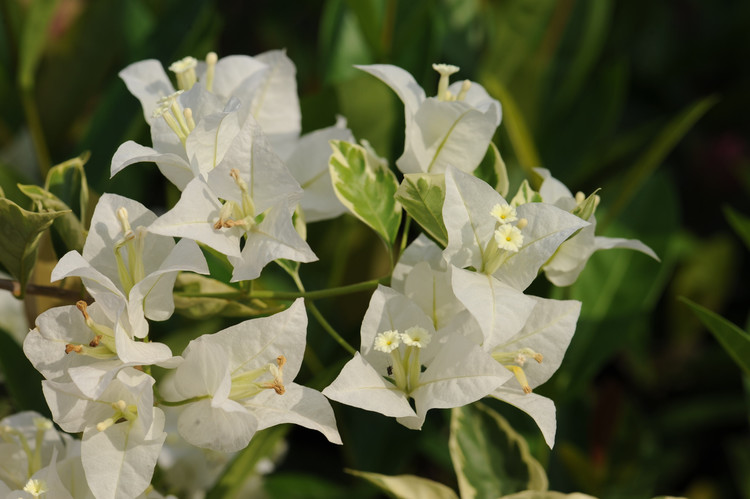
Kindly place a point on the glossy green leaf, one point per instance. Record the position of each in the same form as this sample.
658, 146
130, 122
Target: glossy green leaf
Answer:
67, 181
23, 381
490, 458
366, 189
734, 340
407, 486
67, 226
740, 223
33, 38
242, 467
422, 196
492, 170
20, 231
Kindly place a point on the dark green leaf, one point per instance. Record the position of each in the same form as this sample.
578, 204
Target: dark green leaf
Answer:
302, 486
740, 223
489, 457
68, 226
23, 381
20, 231
734, 340
33, 39
67, 181
422, 196
492, 170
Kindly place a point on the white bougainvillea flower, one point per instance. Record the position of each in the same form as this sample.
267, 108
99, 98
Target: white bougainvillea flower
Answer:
122, 431
239, 381
82, 344
29, 443
453, 128
570, 258
511, 251
533, 354
124, 267
251, 195
398, 339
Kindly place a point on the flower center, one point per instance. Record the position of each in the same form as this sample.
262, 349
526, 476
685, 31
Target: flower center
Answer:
179, 120
507, 238
122, 412
405, 366
184, 70
514, 362
102, 346
238, 215
246, 385
129, 268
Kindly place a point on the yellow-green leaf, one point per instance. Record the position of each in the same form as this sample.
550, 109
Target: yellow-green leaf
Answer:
490, 458
422, 196
407, 486
365, 188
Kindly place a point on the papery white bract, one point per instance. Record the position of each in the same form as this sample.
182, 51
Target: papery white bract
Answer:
457, 371
571, 257
453, 128
238, 381
259, 195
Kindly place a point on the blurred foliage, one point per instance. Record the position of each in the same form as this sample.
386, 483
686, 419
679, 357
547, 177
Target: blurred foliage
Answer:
646, 100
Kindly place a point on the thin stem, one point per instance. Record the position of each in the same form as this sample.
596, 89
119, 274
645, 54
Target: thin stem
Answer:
33, 289
291, 295
182, 402
405, 234
322, 320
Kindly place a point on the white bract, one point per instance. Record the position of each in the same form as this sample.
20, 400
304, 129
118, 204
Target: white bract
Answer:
129, 271
478, 236
122, 431
239, 380
453, 128
570, 259
398, 339
250, 195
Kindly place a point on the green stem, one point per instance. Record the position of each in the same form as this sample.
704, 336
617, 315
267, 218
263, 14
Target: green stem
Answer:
182, 402
291, 295
405, 234
322, 320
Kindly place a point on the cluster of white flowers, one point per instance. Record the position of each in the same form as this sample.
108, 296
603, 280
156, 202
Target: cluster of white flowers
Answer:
454, 326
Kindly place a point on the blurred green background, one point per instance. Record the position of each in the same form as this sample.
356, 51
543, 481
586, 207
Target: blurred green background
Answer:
647, 100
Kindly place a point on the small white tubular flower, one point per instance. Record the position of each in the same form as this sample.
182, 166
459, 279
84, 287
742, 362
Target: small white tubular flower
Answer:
387, 341
570, 259
508, 237
457, 371
442, 130
242, 380
184, 70
416, 336
467, 213
126, 268
504, 213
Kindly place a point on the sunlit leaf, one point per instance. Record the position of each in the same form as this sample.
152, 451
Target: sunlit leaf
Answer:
20, 231
422, 196
407, 486
734, 340
490, 458
366, 190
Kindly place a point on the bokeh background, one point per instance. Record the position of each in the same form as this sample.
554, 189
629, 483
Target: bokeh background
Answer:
646, 100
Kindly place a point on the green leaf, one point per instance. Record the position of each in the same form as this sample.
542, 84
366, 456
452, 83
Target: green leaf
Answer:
734, 340
302, 486
33, 38
67, 226
20, 231
657, 151
67, 181
489, 457
407, 486
422, 196
370, 14
242, 467
492, 170
740, 223
585, 209
366, 189
23, 381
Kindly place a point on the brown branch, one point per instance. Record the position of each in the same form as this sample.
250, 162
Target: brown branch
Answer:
34, 289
